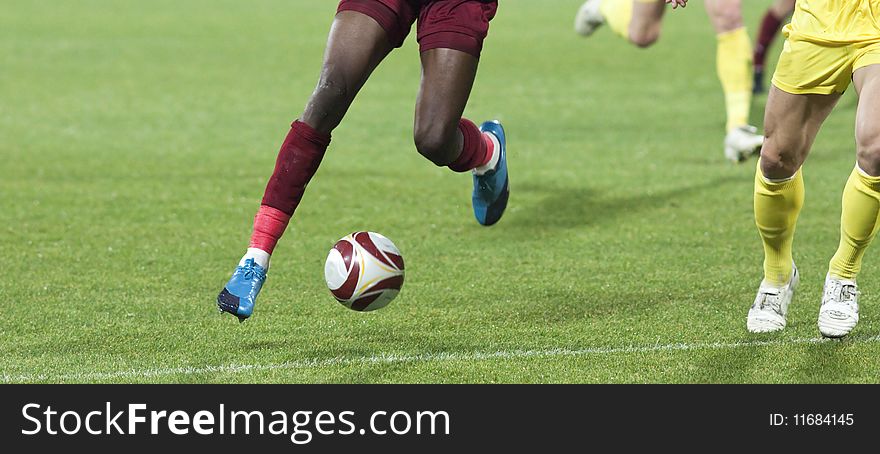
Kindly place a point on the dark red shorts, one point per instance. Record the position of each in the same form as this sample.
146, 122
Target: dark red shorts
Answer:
448, 24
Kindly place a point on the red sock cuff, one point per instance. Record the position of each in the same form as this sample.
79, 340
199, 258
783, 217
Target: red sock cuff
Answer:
474, 151
311, 134
490, 148
269, 224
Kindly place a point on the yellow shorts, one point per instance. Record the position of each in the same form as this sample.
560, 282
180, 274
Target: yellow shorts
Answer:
811, 67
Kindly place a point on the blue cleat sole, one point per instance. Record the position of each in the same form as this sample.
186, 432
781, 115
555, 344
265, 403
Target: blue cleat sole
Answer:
229, 303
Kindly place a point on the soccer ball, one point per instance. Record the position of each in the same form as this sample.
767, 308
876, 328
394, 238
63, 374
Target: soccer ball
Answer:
364, 271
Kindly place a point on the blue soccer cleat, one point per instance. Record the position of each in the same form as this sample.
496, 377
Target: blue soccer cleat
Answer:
492, 189
240, 293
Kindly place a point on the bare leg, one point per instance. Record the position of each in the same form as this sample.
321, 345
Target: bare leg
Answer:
647, 22
447, 78
725, 15
791, 123
638, 21
356, 46
860, 210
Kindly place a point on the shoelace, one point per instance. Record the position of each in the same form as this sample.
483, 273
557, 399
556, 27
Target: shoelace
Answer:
842, 293
769, 300
250, 270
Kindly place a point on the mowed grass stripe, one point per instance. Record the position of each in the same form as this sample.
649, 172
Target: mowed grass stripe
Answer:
392, 358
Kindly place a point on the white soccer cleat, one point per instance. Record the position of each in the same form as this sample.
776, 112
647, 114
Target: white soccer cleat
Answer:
839, 313
742, 142
588, 18
768, 312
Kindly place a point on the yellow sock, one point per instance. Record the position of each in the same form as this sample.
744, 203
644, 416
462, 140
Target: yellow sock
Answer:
618, 14
777, 206
858, 223
734, 60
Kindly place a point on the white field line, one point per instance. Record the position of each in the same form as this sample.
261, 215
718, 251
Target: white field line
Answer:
313, 363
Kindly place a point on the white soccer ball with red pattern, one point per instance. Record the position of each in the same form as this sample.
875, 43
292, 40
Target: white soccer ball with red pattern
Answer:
364, 271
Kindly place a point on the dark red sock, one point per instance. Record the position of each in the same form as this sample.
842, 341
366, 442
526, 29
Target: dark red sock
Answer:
769, 27
297, 162
474, 151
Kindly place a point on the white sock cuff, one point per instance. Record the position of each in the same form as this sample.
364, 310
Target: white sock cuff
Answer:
260, 257
862, 172
778, 180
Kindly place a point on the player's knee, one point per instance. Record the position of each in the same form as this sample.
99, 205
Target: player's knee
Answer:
868, 152
727, 16
645, 37
779, 162
435, 142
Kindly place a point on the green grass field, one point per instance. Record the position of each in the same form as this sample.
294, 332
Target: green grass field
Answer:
136, 139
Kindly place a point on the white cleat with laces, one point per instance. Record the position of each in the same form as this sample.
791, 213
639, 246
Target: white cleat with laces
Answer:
588, 18
768, 312
839, 313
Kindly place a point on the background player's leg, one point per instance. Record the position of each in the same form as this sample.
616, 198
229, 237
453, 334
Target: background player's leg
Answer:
770, 25
637, 21
861, 196
733, 63
356, 45
791, 124
734, 58
647, 22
